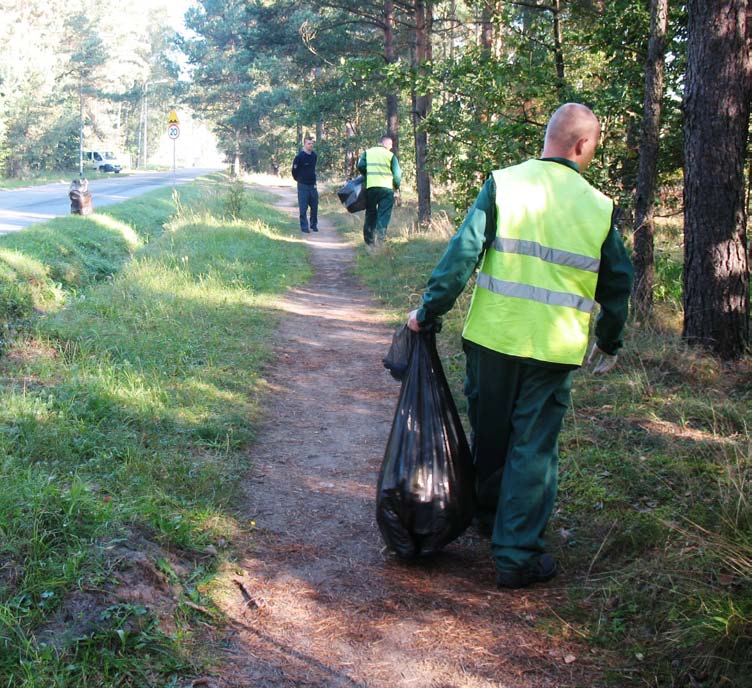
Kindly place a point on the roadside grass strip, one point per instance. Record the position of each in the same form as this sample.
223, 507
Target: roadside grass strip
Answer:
126, 407
653, 524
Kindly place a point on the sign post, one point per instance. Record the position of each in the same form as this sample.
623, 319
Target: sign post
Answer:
173, 131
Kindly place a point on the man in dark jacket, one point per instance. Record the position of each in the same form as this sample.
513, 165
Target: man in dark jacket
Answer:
549, 251
304, 173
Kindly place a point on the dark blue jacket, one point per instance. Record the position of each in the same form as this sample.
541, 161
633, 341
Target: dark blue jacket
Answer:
304, 167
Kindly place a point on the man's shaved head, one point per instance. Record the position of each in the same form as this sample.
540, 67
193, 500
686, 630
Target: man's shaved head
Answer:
572, 133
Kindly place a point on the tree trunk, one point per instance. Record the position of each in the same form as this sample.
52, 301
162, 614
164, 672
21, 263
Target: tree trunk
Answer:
236, 159
486, 27
558, 54
422, 106
351, 154
392, 97
644, 226
716, 120
452, 27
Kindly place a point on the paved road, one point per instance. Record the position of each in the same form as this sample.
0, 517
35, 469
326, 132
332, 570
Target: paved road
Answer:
20, 208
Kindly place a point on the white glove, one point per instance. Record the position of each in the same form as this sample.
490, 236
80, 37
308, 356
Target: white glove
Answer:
600, 362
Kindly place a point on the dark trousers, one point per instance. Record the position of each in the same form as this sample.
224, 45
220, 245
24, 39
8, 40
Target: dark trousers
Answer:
516, 410
308, 197
379, 204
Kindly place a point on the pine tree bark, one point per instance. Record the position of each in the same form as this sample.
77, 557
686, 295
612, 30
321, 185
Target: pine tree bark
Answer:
351, 153
392, 97
644, 225
486, 27
716, 121
558, 49
422, 106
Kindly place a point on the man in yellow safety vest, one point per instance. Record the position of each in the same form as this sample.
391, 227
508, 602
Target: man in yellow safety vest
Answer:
549, 251
383, 177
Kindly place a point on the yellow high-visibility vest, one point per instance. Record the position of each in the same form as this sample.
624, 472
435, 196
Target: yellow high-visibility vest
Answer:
379, 167
536, 287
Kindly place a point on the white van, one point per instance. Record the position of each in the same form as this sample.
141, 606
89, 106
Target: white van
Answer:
104, 161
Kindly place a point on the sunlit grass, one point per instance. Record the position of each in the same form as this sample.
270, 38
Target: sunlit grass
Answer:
123, 418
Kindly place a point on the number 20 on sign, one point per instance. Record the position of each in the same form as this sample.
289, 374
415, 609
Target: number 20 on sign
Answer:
173, 131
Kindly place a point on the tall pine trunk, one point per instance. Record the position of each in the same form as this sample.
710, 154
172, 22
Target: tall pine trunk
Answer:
716, 120
422, 106
558, 48
487, 27
644, 226
351, 153
392, 97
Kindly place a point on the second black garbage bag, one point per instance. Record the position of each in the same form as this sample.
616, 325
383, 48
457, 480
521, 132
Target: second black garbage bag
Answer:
353, 195
425, 496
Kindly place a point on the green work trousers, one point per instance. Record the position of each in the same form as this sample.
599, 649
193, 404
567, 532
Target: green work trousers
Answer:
379, 204
516, 410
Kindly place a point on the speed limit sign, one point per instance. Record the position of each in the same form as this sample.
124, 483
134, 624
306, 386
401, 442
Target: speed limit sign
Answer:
173, 131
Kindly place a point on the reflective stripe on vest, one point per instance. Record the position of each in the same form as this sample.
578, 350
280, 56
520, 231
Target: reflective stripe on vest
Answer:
535, 292
525, 291
379, 167
550, 255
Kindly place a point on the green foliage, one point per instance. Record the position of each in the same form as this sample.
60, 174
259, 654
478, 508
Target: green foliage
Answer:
480, 126
669, 272
491, 109
224, 56
235, 198
55, 62
297, 69
490, 105
24, 287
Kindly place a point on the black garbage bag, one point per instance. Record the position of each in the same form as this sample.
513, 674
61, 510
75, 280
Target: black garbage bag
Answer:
398, 356
425, 495
353, 194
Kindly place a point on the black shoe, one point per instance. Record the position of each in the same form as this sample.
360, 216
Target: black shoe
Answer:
305, 231
314, 229
543, 570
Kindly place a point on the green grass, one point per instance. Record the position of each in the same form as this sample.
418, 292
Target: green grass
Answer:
51, 178
41, 267
127, 401
654, 520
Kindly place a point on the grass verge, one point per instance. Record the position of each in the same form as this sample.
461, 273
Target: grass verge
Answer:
654, 517
131, 386
53, 177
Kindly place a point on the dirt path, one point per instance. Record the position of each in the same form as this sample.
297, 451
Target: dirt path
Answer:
316, 601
